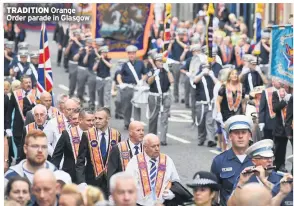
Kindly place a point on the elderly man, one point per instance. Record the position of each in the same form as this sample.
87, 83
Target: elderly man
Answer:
123, 189
46, 100
262, 157
228, 165
122, 153
61, 99
153, 172
55, 126
44, 188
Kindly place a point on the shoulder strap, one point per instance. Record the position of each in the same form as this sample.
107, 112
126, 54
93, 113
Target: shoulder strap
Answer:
131, 67
124, 154
19, 100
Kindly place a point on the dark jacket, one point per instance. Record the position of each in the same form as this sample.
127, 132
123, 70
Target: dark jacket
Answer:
264, 114
289, 118
279, 129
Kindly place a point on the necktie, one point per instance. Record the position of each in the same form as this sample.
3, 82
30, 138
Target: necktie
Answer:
103, 145
137, 150
227, 52
40, 127
241, 52
153, 172
68, 124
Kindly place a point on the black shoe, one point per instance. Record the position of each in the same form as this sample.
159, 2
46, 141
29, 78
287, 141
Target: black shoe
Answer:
200, 143
163, 143
283, 169
182, 101
211, 144
66, 70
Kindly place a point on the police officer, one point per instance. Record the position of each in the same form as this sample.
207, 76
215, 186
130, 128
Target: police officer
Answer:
83, 73
8, 56
23, 46
262, 157
133, 73
159, 99
103, 79
228, 165
23, 66
72, 49
34, 67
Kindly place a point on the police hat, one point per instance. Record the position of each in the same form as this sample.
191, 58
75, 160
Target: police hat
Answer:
23, 53
247, 57
23, 45
265, 35
99, 41
204, 179
158, 57
253, 60
181, 31
238, 122
34, 54
195, 47
152, 52
262, 148
131, 48
257, 90
104, 49
9, 44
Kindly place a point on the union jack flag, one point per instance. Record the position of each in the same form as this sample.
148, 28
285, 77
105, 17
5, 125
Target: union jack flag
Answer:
45, 80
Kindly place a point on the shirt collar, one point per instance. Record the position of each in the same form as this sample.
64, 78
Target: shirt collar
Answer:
106, 132
147, 158
231, 155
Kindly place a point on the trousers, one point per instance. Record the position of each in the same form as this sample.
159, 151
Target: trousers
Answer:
73, 73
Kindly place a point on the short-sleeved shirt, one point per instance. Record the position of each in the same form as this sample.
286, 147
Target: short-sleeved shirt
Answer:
187, 64
176, 51
227, 167
7, 64
91, 60
26, 70
200, 92
74, 49
226, 113
164, 81
81, 59
103, 70
256, 81
288, 200
127, 75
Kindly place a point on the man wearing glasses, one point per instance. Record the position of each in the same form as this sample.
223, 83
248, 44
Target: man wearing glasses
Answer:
36, 151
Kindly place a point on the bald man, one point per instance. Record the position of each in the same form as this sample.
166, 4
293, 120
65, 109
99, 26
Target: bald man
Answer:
44, 188
155, 165
253, 194
57, 125
46, 100
121, 154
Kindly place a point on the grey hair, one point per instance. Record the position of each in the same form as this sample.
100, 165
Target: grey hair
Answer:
61, 97
39, 106
119, 176
146, 138
77, 100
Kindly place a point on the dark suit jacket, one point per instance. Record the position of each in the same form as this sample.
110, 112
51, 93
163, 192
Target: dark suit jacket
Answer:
279, 130
6, 104
64, 147
289, 118
27, 106
264, 115
18, 121
85, 173
29, 118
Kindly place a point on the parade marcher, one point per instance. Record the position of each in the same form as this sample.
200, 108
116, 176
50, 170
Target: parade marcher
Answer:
15, 115
8, 57
94, 150
46, 100
226, 50
36, 150
115, 85
280, 100
266, 116
238, 52
289, 119
121, 154
205, 187
68, 143
158, 169
44, 188
204, 81
22, 67
83, 73
59, 36
55, 126
123, 189
262, 156
254, 77
34, 64
75, 43
61, 99
159, 100
23, 46
103, 79
133, 73
228, 165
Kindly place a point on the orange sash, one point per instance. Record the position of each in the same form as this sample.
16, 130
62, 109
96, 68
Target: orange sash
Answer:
31, 126
95, 153
230, 99
226, 59
257, 102
124, 154
19, 99
60, 123
284, 114
32, 96
269, 99
75, 141
145, 180
239, 59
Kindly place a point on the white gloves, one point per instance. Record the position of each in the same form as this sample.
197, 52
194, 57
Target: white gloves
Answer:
122, 86
205, 71
261, 126
257, 68
140, 83
16, 69
211, 74
287, 97
188, 74
8, 132
219, 117
156, 72
245, 70
168, 195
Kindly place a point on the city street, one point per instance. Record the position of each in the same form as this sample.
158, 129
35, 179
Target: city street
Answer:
182, 138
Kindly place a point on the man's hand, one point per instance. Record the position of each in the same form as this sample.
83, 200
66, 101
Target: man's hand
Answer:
188, 74
285, 186
244, 177
8, 132
260, 172
168, 195
156, 72
219, 117
211, 74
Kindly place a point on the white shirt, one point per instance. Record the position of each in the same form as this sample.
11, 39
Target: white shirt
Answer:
132, 147
52, 132
216, 88
171, 174
80, 131
106, 137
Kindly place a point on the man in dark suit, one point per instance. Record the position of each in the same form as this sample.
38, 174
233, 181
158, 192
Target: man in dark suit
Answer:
280, 101
68, 143
15, 119
289, 120
121, 153
94, 148
267, 117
